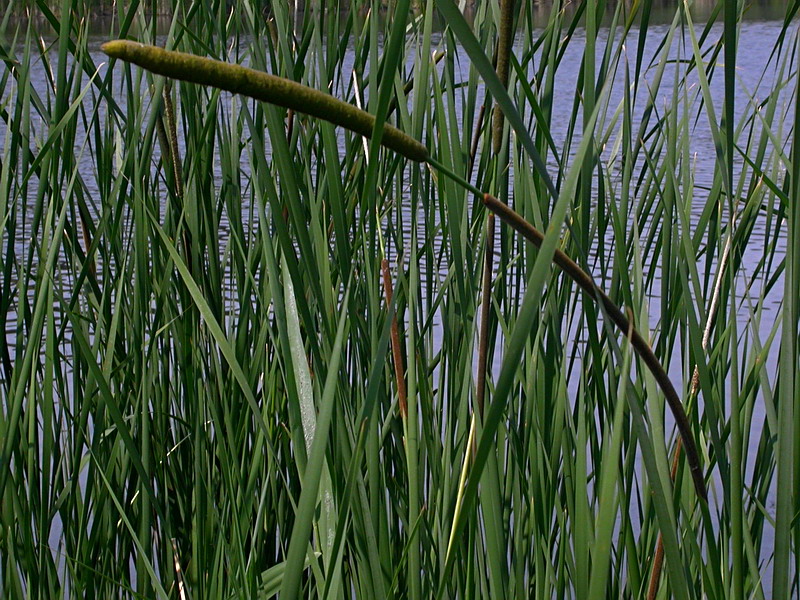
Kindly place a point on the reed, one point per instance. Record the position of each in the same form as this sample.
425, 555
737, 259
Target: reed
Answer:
288, 94
272, 347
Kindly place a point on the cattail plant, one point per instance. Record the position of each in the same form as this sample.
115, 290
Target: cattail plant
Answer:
314, 344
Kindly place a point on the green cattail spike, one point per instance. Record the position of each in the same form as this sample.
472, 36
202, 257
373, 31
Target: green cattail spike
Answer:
264, 87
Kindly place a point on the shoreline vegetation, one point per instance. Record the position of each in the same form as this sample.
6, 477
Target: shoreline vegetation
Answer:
264, 336
293, 96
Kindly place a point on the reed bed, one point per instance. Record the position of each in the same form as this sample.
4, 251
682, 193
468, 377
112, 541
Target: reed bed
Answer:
256, 348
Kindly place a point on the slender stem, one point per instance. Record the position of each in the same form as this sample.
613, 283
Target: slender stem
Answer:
399, 369
486, 301
457, 178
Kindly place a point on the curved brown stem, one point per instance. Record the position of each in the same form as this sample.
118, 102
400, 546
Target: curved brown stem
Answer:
642, 348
